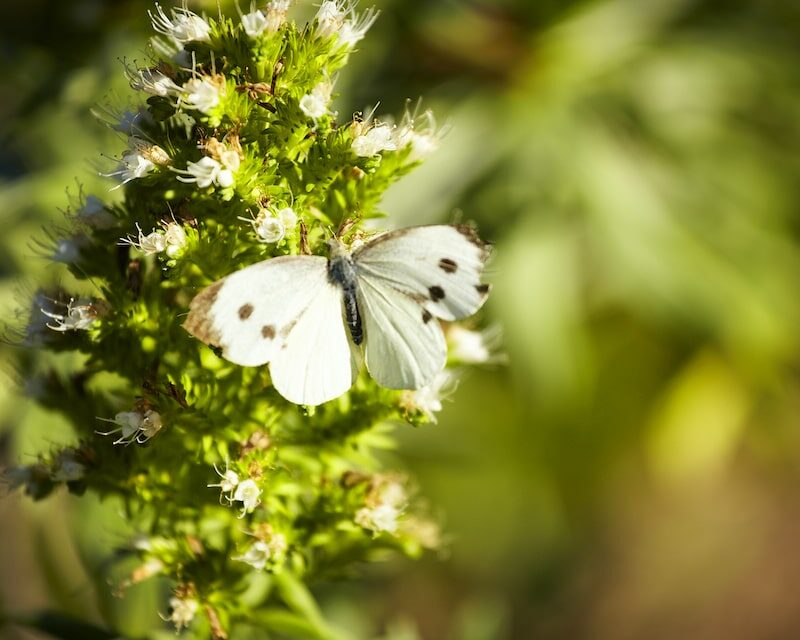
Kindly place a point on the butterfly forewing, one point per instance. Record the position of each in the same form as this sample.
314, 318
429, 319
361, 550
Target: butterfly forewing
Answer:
405, 347
249, 313
439, 265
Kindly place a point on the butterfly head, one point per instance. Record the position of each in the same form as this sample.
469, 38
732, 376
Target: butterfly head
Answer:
336, 249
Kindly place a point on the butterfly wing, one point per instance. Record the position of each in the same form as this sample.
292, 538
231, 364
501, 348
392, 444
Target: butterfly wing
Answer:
286, 312
318, 361
438, 264
405, 347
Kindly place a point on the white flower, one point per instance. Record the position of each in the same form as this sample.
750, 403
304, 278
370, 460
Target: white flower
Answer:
392, 493
377, 138
315, 104
152, 81
419, 133
426, 532
153, 242
381, 518
247, 492
230, 161
288, 217
79, 316
341, 19
276, 14
171, 239
134, 426
202, 94
182, 611
256, 555
254, 23
428, 399
384, 505
133, 165
278, 546
175, 237
182, 26
205, 172
129, 423
469, 347
218, 168
228, 483
94, 214
268, 228
355, 28
330, 17
151, 425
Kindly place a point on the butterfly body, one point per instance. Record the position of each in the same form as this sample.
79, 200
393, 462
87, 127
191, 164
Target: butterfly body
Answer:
314, 320
342, 272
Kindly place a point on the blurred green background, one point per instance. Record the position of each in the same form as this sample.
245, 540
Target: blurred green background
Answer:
634, 472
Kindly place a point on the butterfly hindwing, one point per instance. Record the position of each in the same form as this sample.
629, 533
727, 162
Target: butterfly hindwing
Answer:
318, 361
438, 264
405, 347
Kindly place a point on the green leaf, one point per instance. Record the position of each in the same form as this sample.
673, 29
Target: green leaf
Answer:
291, 624
297, 596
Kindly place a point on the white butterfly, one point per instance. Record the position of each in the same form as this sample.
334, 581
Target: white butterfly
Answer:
308, 316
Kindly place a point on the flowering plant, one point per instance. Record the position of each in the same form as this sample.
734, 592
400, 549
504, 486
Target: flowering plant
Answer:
241, 499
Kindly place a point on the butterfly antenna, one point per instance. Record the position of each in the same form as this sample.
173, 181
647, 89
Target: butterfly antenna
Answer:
304, 248
345, 226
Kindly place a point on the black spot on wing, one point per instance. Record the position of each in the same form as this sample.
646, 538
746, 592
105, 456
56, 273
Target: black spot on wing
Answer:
483, 289
245, 311
436, 293
268, 332
448, 266
426, 316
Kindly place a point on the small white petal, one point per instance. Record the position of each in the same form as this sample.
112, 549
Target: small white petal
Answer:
254, 23
269, 230
257, 555
288, 217
247, 492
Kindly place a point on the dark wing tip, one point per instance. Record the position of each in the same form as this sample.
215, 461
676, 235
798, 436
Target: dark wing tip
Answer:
471, 233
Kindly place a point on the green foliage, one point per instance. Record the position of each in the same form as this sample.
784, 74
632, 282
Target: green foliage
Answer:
241, 498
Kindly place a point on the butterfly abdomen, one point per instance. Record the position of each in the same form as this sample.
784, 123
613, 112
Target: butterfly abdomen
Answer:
341, 272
